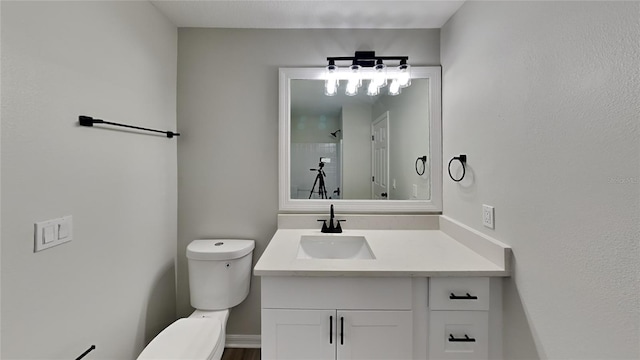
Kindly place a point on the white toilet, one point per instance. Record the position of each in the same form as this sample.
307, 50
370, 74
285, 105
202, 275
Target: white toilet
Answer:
219, 277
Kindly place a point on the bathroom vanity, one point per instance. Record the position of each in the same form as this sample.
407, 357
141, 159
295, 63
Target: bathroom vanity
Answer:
407, 287
390, 286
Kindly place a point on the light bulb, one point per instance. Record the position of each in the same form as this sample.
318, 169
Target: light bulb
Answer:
394, 88
352, 88
331, 83
330, 87
380, 74
404, 75
373, 89
354, 80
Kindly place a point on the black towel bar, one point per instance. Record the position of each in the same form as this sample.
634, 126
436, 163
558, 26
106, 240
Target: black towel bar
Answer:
89, 121
93, 347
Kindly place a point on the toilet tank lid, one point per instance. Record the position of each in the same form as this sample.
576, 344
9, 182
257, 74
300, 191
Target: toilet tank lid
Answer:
219, 249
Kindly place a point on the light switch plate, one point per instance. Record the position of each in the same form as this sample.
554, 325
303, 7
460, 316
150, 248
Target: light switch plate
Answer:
53, 232
487, 216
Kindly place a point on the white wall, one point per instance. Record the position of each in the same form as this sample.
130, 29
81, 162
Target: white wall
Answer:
0, 194
543, 97
228, 111
356, 154
114, 284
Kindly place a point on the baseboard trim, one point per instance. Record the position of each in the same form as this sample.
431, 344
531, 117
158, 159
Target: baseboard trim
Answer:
243, 341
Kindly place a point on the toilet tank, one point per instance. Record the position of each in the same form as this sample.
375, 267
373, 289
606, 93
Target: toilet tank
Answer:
219, 272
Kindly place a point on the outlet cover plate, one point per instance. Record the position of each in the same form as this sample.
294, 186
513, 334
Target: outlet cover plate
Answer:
488, 216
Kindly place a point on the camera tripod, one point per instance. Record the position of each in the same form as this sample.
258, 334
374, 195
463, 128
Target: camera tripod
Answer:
322, 191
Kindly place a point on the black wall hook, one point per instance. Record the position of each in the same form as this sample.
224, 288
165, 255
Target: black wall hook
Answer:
462, 159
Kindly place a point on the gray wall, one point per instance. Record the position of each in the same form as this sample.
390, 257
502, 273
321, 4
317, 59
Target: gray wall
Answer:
408, 139
228, 112
114, 284
356, 154
544, 99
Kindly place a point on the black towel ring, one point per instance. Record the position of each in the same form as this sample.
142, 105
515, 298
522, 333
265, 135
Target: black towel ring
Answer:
424, 165
463, 160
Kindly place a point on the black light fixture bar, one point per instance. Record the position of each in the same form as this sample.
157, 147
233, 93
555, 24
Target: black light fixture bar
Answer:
89, 121
367, 58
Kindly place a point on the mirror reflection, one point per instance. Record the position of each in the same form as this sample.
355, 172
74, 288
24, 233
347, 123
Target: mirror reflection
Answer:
359, 147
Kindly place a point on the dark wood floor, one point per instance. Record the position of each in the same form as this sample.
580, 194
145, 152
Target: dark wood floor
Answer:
241, 354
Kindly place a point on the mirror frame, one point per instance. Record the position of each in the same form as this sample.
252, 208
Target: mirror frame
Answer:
433, 205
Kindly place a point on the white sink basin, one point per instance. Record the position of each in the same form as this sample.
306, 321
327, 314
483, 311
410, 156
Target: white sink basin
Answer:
334, 247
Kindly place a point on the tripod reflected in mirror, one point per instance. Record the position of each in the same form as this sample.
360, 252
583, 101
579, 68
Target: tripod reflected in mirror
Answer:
322, 190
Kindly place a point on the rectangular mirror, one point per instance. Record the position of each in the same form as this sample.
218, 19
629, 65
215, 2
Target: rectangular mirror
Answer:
362, 153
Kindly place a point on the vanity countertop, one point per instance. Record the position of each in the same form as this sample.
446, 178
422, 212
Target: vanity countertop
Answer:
401, 253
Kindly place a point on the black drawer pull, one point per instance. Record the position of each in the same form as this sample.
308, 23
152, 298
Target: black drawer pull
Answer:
465, 339
453, 296
341, 330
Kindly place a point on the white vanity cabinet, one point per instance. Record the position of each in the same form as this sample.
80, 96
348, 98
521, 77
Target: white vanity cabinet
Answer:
336, 318
426, 294
326, 318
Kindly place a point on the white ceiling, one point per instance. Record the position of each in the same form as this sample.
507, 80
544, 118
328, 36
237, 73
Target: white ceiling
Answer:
315, 14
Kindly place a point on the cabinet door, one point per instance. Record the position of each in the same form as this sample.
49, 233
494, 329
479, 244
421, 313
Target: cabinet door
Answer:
298, 334
371, 335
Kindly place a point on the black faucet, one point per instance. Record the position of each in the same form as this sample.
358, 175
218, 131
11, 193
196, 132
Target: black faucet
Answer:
331, 228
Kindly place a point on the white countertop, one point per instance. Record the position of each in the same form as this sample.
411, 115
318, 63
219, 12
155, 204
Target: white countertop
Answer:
402, 253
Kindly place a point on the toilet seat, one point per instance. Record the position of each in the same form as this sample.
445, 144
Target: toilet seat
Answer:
187, 338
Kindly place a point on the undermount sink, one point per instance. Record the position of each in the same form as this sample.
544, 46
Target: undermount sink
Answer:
334, 247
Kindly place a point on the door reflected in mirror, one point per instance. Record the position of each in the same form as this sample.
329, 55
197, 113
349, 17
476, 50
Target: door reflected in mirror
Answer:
359, 147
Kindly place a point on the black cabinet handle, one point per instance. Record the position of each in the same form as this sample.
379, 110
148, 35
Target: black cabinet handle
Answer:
384, 195
330, 329
341, 330
466, 338
453, 296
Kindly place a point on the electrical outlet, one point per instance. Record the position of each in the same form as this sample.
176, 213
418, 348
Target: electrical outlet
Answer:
487, 216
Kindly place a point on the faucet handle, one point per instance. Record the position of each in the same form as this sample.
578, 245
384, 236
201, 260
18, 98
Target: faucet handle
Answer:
324, 226
338, 227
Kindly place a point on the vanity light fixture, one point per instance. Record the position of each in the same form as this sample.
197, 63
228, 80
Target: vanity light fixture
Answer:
365, 65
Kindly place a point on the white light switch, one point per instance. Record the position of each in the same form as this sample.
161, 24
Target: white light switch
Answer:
48, 234
53, 232
63, 230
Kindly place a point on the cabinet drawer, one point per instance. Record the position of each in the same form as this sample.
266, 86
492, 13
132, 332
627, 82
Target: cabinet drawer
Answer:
459, 293
302, 292
459, 335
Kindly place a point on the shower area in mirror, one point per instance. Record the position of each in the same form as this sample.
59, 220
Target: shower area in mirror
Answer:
316, 151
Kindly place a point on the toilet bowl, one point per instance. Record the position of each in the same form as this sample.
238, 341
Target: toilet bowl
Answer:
219, 278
